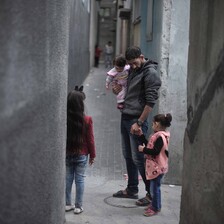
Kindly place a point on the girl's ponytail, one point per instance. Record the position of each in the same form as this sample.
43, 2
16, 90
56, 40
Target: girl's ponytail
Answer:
163, 119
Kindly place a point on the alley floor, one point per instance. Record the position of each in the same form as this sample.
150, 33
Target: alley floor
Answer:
107, 175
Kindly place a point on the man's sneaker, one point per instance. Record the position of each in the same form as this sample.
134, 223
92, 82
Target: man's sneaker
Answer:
78, 210
69, 208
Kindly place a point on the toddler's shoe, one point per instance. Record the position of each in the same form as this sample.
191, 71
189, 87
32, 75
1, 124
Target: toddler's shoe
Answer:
78, 210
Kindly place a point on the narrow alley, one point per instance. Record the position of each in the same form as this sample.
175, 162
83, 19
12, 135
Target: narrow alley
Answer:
107, 175
47, 47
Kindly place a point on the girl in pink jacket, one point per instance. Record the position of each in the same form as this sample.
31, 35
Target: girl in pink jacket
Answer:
156, 155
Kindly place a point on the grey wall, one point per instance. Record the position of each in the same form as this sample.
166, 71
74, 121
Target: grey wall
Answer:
94, 34
107, 26
152, 49
79, 60
203, 178
169, 47
173, 67
33, 90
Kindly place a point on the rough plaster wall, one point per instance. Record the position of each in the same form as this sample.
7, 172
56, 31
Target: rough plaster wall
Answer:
79, 62
93, 31
165, 76
174, 74
151, 49
33, 89
203, 178
165, 40
173, 67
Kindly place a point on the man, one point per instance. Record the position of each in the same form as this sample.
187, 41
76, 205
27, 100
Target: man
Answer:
142, 93
108, 54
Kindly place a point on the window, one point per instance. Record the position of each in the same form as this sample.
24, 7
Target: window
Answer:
104, 12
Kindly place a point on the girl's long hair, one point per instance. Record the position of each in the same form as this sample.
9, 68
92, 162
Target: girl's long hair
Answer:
76, 127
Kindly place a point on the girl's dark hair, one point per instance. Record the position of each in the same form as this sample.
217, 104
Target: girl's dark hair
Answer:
132, 53
120, 61
76, 127
163, 119
80, 89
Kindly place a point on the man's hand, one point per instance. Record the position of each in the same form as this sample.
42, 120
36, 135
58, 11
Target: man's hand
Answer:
116, 88
136, 130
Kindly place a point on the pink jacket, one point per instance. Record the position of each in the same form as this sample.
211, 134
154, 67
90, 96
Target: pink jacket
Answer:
119, 77
161, 159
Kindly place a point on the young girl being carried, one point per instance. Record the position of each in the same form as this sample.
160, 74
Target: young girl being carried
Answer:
156, 155
119, 75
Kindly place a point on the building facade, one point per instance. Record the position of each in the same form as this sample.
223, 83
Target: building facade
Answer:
161, 29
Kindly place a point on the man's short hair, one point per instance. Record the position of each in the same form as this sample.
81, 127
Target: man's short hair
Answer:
132, 53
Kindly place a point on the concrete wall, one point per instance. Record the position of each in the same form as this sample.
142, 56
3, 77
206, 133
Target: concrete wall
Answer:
93, 36
169, 47
152, 49
203, 179
173, 67
79, 50
33, 90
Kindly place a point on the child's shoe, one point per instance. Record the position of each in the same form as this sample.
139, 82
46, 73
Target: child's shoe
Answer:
150, 207
69, 208
78, 210
149, 212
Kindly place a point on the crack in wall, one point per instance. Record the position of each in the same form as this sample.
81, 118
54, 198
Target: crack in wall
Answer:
215, 84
